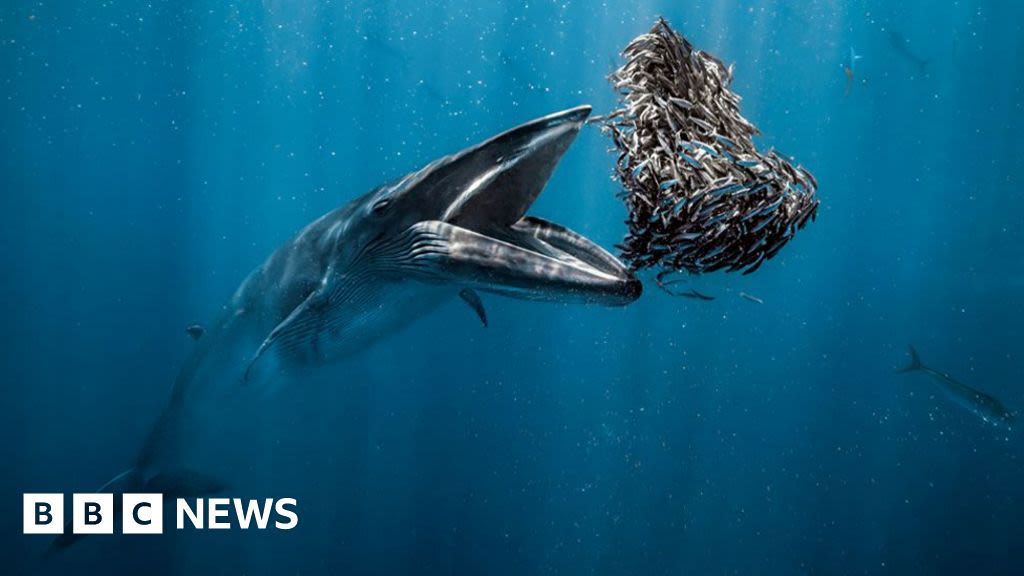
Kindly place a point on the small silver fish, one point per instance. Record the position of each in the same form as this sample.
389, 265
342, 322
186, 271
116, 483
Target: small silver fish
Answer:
691, 160
751, 298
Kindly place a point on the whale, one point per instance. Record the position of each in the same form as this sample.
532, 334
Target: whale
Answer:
452, 230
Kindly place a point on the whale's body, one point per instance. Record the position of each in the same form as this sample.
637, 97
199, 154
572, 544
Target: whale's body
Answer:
371, 267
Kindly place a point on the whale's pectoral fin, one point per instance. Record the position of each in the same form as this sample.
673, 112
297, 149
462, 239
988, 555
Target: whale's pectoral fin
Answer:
531, 270
301, 325
470, 297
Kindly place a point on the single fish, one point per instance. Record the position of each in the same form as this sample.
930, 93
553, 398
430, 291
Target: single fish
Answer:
986, 407
711, 151
639, 168
726, 141
752, 298
681, 102
691, 161
757, 264
848, 69
696, 295
901, 46
666, 285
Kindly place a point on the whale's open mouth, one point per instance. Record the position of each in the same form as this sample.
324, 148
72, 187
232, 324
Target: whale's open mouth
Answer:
483, 238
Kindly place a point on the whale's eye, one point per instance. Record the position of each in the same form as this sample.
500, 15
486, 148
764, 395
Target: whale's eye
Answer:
381, 206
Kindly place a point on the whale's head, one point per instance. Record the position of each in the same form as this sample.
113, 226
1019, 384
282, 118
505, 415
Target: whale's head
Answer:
462, 220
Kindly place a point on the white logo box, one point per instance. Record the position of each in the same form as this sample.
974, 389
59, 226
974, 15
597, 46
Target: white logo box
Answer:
93, 513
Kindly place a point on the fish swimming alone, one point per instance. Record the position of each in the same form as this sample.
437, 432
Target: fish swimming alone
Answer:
848, 68
369, 268
692, 293
666, 285
902, 47
986, 407
751, 298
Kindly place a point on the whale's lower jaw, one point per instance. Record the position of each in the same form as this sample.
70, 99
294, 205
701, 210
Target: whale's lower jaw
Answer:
531, 262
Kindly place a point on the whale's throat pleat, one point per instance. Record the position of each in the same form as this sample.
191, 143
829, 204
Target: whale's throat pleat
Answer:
351, 312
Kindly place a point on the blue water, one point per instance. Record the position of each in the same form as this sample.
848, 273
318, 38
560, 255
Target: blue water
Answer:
153, 154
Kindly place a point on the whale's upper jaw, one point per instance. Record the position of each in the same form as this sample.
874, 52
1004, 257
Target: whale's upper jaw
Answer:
503, 176
488, 185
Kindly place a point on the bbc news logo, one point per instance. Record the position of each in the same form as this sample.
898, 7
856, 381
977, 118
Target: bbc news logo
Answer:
144, 513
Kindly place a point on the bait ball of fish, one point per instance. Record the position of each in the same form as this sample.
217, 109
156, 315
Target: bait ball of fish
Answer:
701, 197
